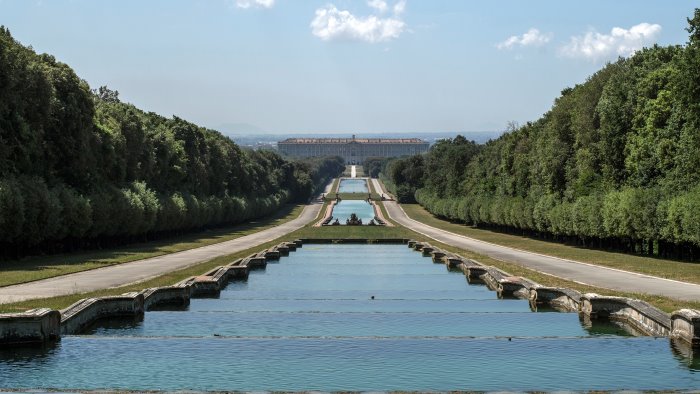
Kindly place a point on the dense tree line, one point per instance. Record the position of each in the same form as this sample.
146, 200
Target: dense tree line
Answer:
615, 163
79, 167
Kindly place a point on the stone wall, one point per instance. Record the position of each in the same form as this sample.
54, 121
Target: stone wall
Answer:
31, 327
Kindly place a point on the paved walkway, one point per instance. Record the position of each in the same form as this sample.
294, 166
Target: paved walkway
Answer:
141, 270
585, 273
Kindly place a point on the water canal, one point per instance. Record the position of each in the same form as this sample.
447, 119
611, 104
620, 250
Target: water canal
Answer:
343, 209
309, 322
348, 185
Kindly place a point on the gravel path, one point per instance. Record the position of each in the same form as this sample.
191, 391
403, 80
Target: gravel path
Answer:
141, 270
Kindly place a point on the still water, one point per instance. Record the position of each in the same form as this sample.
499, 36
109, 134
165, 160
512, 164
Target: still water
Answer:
309, 323
345, 208
353, 186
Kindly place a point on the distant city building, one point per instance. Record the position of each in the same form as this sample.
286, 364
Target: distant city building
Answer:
353, 150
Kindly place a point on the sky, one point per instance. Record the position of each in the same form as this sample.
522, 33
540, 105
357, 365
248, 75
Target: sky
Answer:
341, 66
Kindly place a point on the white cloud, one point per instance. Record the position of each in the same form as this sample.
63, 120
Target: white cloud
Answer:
330, 23
532, 37
620, 42
379, 5
400, 7
255, 3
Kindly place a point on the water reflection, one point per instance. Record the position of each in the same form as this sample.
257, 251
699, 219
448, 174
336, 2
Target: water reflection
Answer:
686, 354
114, 323
29, 354
600, 327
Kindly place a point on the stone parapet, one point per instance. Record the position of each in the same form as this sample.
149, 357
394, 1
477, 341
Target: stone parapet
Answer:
638, 314
557, 297
427, 250
254, 261
271, 254
34, 326
685, 325
452, 261
282, 248
168, 295
79, 316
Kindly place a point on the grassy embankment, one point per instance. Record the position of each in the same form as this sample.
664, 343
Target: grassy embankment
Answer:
338, 232
670, 269
42, 267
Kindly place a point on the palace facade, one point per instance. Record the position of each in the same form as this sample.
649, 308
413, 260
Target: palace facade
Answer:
353, 150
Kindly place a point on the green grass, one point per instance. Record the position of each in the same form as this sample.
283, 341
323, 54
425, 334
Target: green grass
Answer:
42, 267
336, 184
339, 232
670, 269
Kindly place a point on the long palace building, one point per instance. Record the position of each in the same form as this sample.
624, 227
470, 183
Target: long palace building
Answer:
353, 150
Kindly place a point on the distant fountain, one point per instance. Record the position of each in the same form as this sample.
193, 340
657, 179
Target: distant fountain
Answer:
353, 220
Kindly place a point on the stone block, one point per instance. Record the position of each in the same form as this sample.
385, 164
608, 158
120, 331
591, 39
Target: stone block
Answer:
685, 325
85, 312
167, 295
35, 326
557, 297
639, 314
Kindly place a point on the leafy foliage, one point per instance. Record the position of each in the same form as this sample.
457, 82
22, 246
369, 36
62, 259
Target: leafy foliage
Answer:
80, 167
614, 163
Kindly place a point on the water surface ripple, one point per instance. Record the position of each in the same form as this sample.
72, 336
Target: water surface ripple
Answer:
309, 323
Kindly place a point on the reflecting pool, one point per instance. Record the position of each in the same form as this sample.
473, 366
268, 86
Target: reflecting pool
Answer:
343, 209
309, 322
353, 186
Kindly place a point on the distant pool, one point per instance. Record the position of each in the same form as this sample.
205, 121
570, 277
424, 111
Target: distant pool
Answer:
345, 208
309, 323
353, 186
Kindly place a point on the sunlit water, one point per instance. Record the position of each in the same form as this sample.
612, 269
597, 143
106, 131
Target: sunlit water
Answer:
309, 323
345, 208
348, 185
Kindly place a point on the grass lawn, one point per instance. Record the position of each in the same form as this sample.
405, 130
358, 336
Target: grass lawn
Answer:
41, 267
670, 269
338, 232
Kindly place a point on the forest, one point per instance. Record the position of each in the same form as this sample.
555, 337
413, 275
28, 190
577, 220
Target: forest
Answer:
614, 164
79, 168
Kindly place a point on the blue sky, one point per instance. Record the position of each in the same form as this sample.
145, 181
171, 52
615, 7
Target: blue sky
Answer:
289, 66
